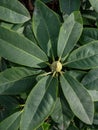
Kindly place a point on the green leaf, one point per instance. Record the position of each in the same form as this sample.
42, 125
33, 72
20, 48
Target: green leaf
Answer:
16, 80
77, 74
94, 95
46, 126
68, 6
12, 122
69, 34
43, 20
90, 80
95, 121
62, 114
78, 98
39, 103
13, 11
88, 35
19, 30
28, 32
94, 4
19, 49
7, 25
16, 27
89, 17
85, 57
8, 105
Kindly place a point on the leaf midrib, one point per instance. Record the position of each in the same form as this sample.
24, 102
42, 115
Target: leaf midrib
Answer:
23, 51
13, 121
43, 96
66, 41
77, 98
6, 83
79, 59
40, 101
49, 36
90, 81
14, 11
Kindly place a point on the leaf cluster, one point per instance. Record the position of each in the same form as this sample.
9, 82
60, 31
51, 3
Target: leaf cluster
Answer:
49, 65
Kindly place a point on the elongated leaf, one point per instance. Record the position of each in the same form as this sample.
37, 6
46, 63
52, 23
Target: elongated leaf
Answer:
67, 113
90, 80
68, 6
62, 114
8, 105
88, 35
11, 123
15, 80
75, 94
39, 103
18, 49
69, 34
13, 11
46, 33
85, 57
94, 4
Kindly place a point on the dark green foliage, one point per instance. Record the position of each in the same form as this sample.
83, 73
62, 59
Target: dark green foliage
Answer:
49, 65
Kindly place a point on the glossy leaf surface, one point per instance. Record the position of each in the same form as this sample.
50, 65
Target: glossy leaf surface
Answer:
85, 57
19, 49
16, 80
77, 74
69, 34
90, 81
62, 114
12, 122
75, 94
68, 6
39, 103
94, 95
88, 35
46, 25
13, 11
94, 4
